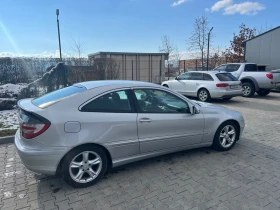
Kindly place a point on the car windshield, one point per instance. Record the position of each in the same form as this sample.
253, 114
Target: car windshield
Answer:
50, 98
226, 77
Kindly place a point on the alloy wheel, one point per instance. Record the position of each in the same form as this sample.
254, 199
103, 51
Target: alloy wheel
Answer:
85, 167
246, 90
203, 95
227, 136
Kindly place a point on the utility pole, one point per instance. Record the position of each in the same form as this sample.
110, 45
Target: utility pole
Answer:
57, 14
208, 48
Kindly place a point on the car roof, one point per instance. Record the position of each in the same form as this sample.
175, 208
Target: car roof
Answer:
115, 83
207, 72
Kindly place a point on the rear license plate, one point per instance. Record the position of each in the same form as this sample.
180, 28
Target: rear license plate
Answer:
234, 87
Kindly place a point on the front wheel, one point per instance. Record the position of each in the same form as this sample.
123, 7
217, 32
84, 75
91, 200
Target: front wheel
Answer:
263, 92
84, 166
225, 136
203, 95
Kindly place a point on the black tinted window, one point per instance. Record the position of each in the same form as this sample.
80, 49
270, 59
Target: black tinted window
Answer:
251, 67
196, 76
207, 77
158, 101
50, 98
232, 67
117, 102
226, 77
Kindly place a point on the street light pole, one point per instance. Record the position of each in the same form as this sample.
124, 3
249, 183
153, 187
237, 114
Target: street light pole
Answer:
208, 48
57, 13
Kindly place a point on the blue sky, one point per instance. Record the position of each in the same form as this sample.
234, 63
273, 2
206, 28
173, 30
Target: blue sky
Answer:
29, 26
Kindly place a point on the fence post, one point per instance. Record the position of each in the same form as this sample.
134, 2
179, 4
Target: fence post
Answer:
184, 66
160, 69
132, 68
196, 65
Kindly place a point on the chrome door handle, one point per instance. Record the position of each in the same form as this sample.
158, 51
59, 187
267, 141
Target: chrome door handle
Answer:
145, 120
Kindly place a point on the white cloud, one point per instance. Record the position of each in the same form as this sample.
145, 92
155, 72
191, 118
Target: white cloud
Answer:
229, 8
45, 54
220, 5
246, 8
177, 3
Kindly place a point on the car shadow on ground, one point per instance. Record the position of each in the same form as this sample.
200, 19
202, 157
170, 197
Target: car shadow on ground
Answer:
239, 166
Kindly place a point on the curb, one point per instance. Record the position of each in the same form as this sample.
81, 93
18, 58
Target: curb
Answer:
7, 140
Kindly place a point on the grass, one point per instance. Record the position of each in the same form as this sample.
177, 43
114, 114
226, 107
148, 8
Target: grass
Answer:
8, 132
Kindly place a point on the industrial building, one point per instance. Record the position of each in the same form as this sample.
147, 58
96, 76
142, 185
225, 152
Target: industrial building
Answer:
148, 67
264, 49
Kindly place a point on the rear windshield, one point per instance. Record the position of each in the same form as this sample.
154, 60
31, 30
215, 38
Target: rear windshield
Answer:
226, 77
50, 98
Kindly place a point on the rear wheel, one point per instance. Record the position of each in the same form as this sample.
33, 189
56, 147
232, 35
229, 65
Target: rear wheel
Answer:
263, 92
84, 166
248, 89
226, 136
203, 95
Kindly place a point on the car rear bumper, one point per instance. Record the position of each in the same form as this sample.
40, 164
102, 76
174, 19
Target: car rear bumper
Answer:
38, 158
226, 94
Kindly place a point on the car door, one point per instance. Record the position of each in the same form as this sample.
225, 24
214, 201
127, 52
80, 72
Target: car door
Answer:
179, 84
196, 79
110, 120
164, 121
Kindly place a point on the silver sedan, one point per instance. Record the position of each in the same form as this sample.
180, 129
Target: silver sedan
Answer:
206, 85
82, 130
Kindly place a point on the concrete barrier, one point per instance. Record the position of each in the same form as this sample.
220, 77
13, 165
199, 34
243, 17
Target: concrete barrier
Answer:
7, 140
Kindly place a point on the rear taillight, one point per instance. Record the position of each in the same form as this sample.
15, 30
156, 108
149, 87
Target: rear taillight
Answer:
222, 84
30, 131
269, 76
31, 124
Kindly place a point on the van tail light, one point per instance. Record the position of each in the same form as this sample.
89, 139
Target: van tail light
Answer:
269, 76
30, 131
32, 124
222, 85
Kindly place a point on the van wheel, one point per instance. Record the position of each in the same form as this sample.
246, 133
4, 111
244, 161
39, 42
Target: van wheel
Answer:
84, 166
203, 95
248, 89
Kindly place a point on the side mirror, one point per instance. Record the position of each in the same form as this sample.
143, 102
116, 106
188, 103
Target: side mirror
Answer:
195, 110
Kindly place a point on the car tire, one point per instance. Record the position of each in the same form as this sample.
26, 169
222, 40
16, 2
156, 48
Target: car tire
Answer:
165, 86
204, 95
230, 132
84, 166
263, 92
248, 89
227, 99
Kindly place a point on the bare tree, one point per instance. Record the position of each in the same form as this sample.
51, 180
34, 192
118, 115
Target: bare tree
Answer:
167, 47
78, 47
198, 39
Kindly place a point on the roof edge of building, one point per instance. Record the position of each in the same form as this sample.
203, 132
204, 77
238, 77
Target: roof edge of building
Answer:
262, 34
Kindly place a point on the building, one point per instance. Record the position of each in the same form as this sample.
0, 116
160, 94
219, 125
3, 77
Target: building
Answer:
148, 67
264, 49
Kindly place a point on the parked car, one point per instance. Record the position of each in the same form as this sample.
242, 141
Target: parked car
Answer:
253, 78
206, 85
82, 130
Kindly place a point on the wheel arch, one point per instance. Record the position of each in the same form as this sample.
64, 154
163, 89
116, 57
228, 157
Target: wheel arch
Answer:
202, 87
251, 80
108, 155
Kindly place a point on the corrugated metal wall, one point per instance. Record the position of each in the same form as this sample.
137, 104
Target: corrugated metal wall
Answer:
265, 49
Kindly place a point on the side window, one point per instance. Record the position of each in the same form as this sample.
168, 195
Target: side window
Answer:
114, 102
207, 77
232, 67
196, 76
221, 68
159, 101
185, 76
251, 67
